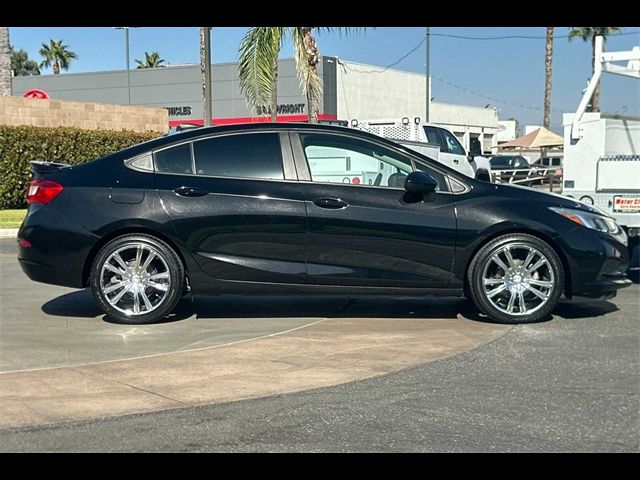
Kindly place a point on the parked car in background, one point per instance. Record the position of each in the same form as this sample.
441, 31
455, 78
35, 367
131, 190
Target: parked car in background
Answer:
511, 169
265, 209
548, 162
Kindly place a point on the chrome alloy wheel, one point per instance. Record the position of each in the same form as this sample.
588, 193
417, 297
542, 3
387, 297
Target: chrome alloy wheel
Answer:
518, 279
135, 279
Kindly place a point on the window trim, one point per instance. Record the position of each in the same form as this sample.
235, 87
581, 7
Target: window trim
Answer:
289, 172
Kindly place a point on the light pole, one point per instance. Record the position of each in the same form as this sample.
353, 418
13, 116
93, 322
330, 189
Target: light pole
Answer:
426, 68
126, 40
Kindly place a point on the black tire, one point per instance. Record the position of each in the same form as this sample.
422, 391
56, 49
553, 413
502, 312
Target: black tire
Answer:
482, 260
175, 279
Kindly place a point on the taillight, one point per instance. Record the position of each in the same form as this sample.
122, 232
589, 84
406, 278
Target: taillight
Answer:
42, 191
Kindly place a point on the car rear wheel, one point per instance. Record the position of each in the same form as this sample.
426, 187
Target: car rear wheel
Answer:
516, 278
137, 279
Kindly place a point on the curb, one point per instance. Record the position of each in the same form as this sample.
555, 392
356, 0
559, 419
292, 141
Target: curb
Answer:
8, 232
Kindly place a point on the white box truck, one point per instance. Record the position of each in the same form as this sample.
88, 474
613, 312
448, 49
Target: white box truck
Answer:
431, 140
602, 154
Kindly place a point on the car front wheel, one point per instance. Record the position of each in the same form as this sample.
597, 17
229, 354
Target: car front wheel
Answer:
516, 278
137, 279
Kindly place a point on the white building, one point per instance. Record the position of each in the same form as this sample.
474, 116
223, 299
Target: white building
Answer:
370, 92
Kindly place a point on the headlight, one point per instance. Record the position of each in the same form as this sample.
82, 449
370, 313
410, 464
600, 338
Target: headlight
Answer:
589, 220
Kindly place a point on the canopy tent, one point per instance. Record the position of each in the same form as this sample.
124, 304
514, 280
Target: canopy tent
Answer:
539, 138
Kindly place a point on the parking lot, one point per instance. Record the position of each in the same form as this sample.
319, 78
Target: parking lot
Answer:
313, 374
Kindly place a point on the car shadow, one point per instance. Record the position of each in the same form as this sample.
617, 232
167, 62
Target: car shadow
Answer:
81, 304
566, 309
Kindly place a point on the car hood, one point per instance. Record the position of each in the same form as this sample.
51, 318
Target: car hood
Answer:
521, 193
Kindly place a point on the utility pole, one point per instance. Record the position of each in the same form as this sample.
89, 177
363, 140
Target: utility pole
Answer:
426, 68
126, 41
205, 70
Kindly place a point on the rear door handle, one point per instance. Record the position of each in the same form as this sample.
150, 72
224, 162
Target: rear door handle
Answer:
330, 203
190, 192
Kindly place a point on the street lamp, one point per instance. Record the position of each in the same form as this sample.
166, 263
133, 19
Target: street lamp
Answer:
126, 39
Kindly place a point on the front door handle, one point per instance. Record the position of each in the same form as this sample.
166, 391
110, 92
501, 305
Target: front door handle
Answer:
330, 203
190, 192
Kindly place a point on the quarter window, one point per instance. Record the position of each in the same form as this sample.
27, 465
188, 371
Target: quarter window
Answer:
254, 155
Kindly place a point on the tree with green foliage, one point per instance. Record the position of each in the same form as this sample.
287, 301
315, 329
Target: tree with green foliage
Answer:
258, 66
586, 34
151, 60
56, 54
21, 65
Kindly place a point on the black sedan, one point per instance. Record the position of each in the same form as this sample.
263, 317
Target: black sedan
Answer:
277, 208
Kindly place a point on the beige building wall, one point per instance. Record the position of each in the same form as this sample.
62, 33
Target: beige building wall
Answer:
90, 116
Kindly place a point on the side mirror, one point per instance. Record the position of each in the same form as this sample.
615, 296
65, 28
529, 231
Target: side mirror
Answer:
475, 149
420, 183
470, 158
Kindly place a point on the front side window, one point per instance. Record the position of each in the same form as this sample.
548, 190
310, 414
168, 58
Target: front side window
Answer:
451, 143
252, 155
174, 159
338, 159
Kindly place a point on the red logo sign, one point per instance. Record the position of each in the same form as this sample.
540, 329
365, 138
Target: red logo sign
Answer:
35, 93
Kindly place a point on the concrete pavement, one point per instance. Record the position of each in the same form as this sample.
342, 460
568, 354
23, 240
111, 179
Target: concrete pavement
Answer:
61, 361
571, 384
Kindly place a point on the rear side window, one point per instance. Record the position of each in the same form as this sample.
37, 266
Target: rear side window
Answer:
174, 160
254, 155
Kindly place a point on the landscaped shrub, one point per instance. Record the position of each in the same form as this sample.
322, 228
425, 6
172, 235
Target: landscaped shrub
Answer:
21, 144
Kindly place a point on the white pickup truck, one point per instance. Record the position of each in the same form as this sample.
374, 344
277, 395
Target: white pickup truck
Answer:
431, 140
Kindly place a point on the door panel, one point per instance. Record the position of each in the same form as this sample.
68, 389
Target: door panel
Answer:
238, 229
378, 239
362, 234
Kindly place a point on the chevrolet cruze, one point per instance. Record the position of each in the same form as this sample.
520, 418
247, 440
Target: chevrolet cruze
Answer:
285, 208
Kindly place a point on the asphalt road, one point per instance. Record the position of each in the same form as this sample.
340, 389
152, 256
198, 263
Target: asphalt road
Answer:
569, 384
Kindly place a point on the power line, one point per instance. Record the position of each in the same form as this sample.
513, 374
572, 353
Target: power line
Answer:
468, 90
454, 85
520, 37
487, 97
384, 69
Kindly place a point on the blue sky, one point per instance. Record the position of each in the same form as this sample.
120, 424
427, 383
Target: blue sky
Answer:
511, 70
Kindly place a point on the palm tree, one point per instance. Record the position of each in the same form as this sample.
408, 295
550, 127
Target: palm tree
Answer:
590, 33
151, 60
5, 63
21, 65
56, 54
258, 66
548, 72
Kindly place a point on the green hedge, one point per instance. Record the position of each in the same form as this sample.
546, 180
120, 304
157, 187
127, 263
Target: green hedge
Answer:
19, 145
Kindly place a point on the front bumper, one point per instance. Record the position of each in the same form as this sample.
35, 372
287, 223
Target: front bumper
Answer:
597, 263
